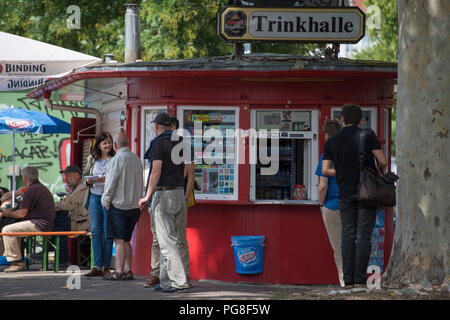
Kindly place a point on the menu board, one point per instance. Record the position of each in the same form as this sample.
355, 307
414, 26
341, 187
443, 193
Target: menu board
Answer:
215, 158
284, 120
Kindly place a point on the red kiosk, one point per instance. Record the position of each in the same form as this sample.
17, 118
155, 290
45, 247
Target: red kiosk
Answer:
254, 93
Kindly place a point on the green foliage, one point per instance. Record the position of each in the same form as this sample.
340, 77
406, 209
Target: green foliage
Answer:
385, 44
170, 29
102, 24
386, 37
176, 29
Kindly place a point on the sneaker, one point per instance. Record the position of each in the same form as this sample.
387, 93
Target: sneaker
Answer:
172, 289
151, 282
16, 266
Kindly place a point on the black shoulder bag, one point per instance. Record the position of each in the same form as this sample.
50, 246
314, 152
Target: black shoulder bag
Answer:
374, 190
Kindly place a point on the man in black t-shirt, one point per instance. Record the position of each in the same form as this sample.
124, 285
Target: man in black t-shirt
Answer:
358, 219
169, 204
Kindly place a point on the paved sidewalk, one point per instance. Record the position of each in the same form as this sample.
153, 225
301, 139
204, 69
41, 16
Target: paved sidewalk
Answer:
40, 285
36, 285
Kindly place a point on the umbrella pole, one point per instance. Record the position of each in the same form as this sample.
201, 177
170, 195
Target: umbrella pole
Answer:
14, 171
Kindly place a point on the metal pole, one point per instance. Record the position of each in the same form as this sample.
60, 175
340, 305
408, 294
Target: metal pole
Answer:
14, 171
238, 51
132, 33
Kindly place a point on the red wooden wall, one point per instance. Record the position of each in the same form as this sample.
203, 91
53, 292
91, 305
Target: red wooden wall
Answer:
76, 125
297, 248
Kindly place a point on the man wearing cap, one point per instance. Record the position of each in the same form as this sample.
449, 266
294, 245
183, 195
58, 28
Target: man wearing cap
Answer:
166, 185
181, 228
70, 213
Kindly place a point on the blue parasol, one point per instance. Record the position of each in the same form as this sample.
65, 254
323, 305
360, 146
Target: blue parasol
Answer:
14, 120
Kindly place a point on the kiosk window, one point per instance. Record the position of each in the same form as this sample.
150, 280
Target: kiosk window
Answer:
284, 120
294, 134
369, 117
213, 144
290, 175
148, 132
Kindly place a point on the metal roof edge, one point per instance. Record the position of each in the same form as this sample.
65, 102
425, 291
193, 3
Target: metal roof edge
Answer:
259, 65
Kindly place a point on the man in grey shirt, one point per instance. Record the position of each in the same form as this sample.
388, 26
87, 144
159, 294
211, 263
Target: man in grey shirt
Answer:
123, 189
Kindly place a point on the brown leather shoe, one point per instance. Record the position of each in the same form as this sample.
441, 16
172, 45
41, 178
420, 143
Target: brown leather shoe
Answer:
94, 273
151, 282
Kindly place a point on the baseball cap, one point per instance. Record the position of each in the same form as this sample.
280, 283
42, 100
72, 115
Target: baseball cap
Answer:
174, 121
72, 168
163, 119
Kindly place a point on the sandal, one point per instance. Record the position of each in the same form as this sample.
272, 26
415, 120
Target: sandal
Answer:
114, 276
128, 275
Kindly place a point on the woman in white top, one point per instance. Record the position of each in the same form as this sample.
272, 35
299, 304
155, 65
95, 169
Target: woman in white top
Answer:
95, 176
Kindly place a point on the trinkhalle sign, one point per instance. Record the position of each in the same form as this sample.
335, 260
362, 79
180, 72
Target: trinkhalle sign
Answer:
329, 25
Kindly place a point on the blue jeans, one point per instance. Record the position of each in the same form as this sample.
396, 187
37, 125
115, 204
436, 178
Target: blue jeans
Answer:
101, 246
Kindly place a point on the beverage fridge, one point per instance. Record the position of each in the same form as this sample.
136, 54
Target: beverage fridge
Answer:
294, 134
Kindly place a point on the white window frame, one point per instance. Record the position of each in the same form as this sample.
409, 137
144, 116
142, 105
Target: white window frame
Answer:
386, 132
143, 146
373, 115
134, 129
309, 164
204, 196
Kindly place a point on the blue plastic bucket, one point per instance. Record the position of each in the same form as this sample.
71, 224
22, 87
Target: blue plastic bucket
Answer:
4, 262
248, 253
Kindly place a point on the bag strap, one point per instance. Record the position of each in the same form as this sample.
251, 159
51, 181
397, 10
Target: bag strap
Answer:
362, 151
361, 154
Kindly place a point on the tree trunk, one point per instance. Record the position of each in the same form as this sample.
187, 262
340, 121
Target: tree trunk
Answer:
421, 251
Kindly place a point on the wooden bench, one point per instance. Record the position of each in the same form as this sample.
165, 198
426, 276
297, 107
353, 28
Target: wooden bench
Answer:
30, 237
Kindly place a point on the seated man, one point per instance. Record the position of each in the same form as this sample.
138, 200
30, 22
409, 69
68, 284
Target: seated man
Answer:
37, 210
7, 195
71, 206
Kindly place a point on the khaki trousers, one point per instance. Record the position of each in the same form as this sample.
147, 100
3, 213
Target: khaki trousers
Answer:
12, 244
332, 221
169, 208
182, 244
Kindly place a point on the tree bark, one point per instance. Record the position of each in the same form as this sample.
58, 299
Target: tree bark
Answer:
421, 251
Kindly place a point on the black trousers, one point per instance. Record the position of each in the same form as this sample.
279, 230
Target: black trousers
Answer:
358, 221
62, 223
